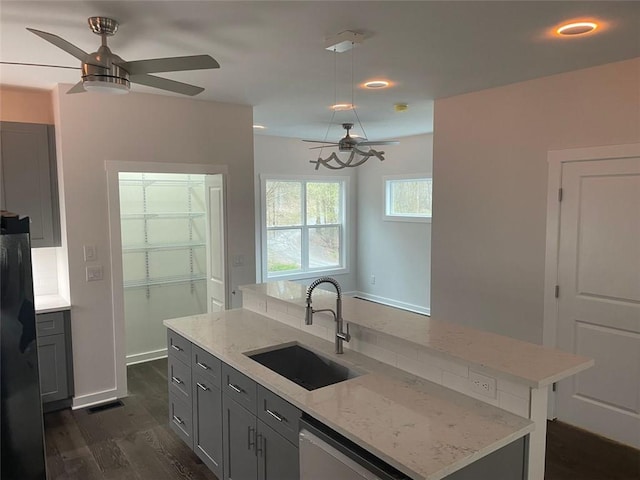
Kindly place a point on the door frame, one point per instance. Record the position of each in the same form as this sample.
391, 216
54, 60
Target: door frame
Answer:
556, 159
113, 168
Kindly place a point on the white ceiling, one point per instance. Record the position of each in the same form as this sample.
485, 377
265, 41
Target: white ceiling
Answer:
272, 53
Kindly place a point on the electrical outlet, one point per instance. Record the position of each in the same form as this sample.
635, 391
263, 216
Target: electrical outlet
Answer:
373, 279
482, 384
94, 273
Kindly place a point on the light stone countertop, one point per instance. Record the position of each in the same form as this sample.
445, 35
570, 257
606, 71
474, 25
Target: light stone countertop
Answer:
533, 365
51, 303
422, 429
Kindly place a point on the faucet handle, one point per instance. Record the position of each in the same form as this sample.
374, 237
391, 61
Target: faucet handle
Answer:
348, 335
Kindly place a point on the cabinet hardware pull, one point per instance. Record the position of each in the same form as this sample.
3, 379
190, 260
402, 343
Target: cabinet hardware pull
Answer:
251, 441
275, 415
259, 445
206, 367
178, 420
202, 387
235, 388
176, 380
175, 347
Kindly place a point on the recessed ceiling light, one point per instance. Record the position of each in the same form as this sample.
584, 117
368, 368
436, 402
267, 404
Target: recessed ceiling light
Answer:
338, 107
576, 28
373, 84
259, 127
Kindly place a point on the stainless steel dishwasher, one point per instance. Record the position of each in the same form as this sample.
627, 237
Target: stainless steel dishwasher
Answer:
325, 454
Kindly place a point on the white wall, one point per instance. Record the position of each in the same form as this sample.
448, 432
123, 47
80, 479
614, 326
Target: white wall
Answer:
490, 166
398, 254
290, 156
92, 129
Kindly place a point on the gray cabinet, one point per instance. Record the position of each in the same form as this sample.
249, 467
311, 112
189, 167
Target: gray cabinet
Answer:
239, 429
55, 359
277, 458
29, 180
207, 421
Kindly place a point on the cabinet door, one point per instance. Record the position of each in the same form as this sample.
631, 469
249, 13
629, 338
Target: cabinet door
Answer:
239, 430
52, 360
277, 457
207, 422
29, 179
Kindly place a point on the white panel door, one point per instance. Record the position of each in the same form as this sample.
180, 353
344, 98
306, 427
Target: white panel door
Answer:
599, 302
216, 264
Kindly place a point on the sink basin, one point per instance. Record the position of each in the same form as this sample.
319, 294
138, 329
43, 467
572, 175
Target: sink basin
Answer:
304, 367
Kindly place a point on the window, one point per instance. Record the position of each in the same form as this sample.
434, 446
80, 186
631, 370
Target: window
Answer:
303, 226
408, 198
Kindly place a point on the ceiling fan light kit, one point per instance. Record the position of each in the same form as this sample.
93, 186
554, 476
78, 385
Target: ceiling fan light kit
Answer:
359, 148
105, 72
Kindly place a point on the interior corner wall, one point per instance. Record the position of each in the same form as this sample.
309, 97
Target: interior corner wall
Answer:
92, 129
290, 156
397, 254
489, 197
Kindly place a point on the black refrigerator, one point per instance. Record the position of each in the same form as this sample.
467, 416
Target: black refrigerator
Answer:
21, 421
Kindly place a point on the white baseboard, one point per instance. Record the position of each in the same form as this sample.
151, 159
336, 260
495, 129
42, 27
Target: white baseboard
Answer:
392, 303
97, 398
146, 356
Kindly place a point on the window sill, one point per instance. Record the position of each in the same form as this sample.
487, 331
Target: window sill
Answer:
306, 275
392, 218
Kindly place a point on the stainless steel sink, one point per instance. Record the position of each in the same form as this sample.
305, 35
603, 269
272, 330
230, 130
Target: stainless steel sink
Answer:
302, 366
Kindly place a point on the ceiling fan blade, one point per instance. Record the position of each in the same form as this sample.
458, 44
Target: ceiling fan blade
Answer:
320, 141
68, 47
77, 88
23, 64
388, 142
324, 146
170, 64
166, 84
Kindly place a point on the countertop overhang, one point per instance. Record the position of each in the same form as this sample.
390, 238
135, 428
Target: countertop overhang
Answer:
422, 429
527, 363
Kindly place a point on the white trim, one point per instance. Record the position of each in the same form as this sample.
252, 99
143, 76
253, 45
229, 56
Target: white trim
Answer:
146, 356
112, 168
556, 159
385, 198
391, 303
96, 398
346, 228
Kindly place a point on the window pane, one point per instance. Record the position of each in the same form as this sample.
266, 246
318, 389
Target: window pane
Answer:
284, 203
324, 247
284, 252
323, 203
411, 198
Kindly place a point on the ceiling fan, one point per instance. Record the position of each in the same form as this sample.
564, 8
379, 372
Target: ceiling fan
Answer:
104, 71
348, 143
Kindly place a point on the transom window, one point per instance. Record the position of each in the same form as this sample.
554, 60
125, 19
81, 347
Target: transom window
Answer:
303, 226
408, 198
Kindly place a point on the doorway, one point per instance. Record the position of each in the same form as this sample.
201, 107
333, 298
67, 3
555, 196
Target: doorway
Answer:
167, 226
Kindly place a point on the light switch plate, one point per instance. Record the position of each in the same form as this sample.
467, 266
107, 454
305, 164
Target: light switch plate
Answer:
90, 253
94, 273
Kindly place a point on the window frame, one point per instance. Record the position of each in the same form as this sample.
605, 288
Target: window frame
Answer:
386, 198
306, 272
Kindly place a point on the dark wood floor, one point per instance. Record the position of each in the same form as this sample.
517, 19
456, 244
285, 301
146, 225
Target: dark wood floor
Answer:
133, 442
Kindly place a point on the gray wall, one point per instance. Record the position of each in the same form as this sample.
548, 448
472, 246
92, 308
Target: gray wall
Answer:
398, 254
490, 166
91, 129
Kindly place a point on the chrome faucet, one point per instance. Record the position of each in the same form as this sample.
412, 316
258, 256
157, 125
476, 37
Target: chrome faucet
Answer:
341, 336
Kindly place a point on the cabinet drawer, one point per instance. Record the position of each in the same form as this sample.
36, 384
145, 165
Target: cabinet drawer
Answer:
278, 414
205, 363
50, 323
180, 419
239, 387
179, 379
178, 347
